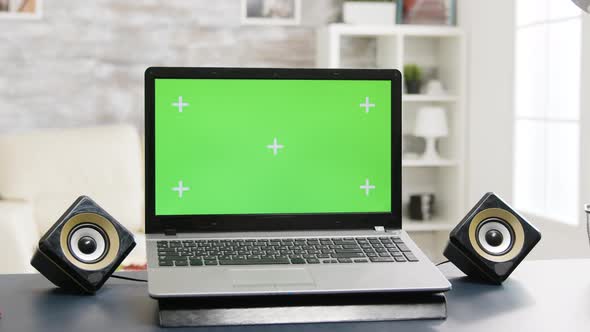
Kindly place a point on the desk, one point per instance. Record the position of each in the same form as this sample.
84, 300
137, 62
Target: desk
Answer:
539, 296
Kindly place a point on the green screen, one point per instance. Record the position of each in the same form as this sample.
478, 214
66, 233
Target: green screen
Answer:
245, 146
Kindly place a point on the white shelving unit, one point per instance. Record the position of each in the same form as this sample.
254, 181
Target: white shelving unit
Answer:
437, 47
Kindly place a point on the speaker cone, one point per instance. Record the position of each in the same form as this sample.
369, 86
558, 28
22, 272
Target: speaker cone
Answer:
88, 243
495, 236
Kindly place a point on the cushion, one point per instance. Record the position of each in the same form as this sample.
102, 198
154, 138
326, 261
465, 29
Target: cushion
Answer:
51, 168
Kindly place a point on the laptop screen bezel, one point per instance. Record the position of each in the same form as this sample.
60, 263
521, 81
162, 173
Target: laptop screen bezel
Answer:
271, 222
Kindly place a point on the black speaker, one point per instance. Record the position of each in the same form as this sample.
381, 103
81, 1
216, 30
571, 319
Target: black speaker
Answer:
83, 248
490, 242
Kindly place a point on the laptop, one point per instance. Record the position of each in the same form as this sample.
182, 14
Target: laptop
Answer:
277, 181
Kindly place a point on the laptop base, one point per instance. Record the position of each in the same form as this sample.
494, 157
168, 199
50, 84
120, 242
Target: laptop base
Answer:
299, 309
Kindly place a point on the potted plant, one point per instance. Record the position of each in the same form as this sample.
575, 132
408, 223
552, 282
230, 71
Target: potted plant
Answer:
413, 78
369, 12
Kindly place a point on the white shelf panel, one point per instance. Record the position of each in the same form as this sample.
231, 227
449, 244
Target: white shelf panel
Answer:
427, 225
431, 31
394, 29
429, 163
20, 16
422, 98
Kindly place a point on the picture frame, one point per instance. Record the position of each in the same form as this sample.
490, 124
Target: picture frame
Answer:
21, 9
427, 12
271, 12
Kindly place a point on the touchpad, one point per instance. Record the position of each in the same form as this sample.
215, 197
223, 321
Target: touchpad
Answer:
270, 277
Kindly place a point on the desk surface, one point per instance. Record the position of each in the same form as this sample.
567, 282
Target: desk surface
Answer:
540, 296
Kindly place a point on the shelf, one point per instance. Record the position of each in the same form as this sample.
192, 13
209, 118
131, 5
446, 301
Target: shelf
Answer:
431, 31
394, 29
19, 16
429, 163
427, 226
423, 98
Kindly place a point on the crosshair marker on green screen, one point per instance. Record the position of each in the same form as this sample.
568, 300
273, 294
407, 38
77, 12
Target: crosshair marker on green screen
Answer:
244, 146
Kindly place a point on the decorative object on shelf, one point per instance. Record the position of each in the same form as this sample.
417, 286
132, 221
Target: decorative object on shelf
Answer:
369, 12
271, 12
431, 123
421, 206
429, 12
583, 4
435, 88
20, 9
412, 78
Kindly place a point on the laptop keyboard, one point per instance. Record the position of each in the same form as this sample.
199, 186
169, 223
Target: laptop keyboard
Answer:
341, 250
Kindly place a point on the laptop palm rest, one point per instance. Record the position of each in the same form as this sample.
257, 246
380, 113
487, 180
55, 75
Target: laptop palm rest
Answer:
270, 277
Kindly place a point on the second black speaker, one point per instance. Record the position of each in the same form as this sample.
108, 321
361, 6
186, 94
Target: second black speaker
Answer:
83, 248
492, 239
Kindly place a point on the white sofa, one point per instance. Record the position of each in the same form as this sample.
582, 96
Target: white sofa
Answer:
43, 172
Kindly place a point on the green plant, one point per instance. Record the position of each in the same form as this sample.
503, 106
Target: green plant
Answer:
412, 72
371, 0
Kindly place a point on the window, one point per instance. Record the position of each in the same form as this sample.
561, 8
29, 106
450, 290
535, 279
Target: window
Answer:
547, 109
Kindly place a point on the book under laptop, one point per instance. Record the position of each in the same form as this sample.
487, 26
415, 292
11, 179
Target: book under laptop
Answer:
277, 181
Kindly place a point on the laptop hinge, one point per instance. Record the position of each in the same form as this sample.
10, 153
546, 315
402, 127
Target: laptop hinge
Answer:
170, 232
380, 229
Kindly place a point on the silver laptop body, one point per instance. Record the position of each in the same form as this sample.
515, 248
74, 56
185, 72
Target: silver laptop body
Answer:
406, 269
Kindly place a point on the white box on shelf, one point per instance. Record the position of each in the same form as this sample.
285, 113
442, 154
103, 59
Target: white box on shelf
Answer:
369, 12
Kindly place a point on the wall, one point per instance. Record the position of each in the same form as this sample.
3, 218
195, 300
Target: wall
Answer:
489, 26
82, 64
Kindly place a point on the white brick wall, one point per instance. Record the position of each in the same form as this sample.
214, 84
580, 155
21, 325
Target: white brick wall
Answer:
82, 64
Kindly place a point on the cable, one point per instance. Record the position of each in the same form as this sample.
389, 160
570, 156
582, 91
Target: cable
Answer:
128, 278
443, 262
587, 208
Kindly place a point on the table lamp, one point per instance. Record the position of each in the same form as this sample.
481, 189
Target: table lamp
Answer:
431, 123
583, 4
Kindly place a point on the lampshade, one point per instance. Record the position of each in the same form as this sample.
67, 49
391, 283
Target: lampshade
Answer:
431, 121
583, 4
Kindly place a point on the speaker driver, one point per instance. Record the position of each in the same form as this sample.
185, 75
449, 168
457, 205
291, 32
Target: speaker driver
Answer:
84, 231
495, 236
500, 216
88, 243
